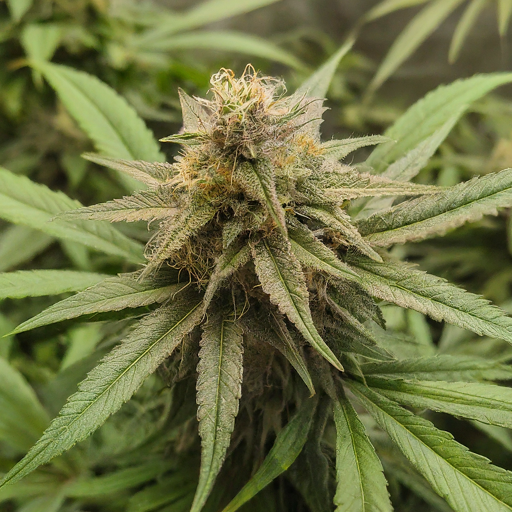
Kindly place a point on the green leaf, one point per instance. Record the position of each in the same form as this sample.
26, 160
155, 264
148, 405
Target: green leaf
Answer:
487, 403
286, 449
388, 6
361, 485
35, 283
23, 418
40, 40
339, 149
440, 367
312, 253
504, 13
34, 205
225, 41
430, 113
19, 244
425, 217
416, 32
258, 182
113, 382
468, 482
112, 124
408, 287
282, 279
317, 85
466, 22
18, 8
219, 388
111, 294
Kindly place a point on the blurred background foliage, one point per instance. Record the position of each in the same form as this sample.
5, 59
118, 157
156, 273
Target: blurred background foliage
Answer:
145, 50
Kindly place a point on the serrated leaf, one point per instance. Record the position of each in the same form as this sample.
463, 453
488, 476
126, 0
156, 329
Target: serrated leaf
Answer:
504, 13
468, 482
416, 32
487, 403
339, 221
425, 217
317, 84
339, 149
286, 449
258, 182
228, 263
440, 367
219, 388
466, 22
33, 205
404, 285
225, 41
153, 174
282, 279
36, 283
112, 382
430, 113
112, 124
111, 294
361, 485
312, 253
23, 418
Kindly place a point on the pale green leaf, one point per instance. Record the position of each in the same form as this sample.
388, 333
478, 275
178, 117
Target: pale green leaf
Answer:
425, 217
23, 418
282, 279
317, 85
225, 41
312, 253
286, 449
19, 244
113, 382
440, 367
361, 485
416, 32
219, 387
111, 294
487, 403
258, 182
82, 341
35, 283
504, 13
466, 23
18, 8
40, 40
195, 116
500, 435
404, 285
35, 206
388, 6
112, 124
468, 482
339, 149
430, 113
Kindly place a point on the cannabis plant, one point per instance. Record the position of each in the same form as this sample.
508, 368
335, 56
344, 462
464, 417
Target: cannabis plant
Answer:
265, 261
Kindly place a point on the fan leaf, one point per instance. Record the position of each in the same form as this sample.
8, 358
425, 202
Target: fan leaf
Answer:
339, 149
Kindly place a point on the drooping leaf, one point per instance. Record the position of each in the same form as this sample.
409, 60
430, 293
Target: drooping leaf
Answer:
416, 32
286, 449
402, 284
361, 485
282, 279
111, 294
487, 403
35, 283
425, 217
339, 149
440, 367
466, 23
33, 205
430, 113
446, 464
258, 182
312, 253
219, 387
23, 418
112, 382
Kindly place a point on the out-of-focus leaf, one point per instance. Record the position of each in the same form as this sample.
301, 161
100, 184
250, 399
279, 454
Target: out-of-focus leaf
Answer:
504, 13
389, 6
40, 40
18, 8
